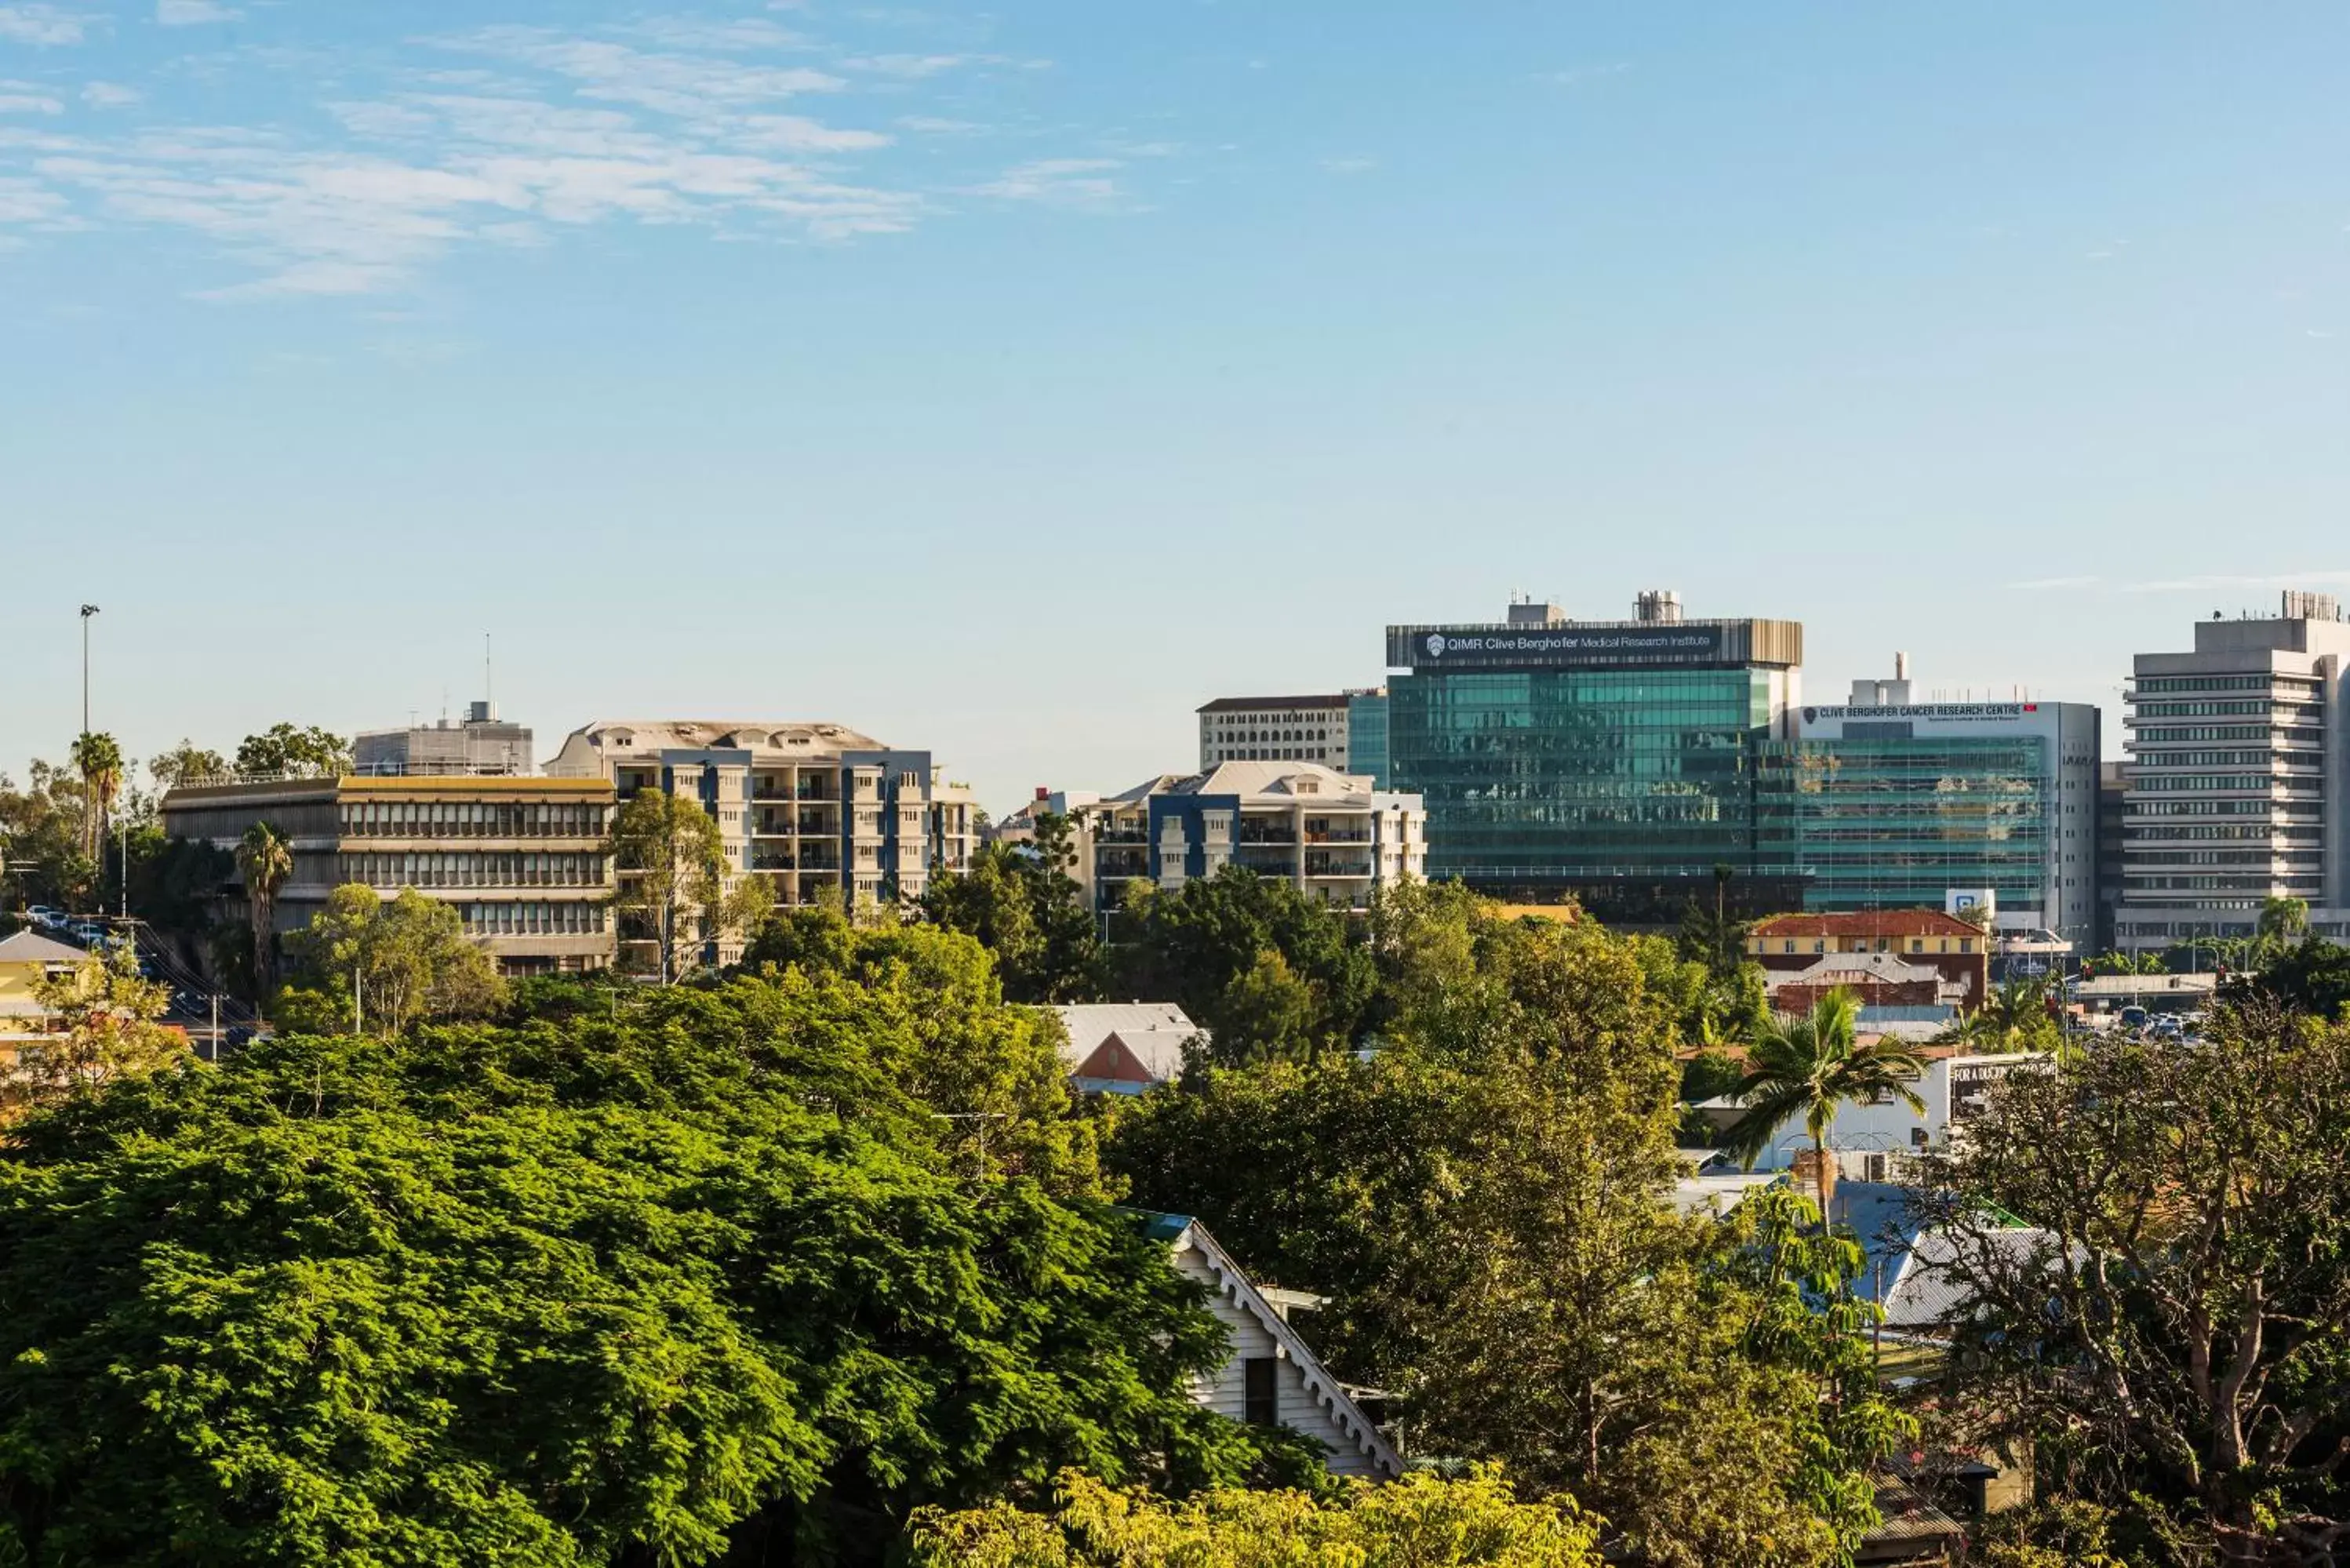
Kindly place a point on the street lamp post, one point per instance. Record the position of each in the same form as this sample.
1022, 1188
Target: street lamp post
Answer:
86, 611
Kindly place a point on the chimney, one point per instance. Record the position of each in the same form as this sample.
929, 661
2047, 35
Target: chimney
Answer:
1900, 667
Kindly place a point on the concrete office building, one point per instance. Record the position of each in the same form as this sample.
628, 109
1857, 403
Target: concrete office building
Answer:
521, 859
805, 805
480, 745
2113, 806
2236, 778
1608, 761
1275, 729
1330, 833
1884, 803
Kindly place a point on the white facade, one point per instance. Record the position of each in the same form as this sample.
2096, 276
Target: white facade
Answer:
482, 745
1275, 729
1332, 835
807, 806
2237, 784
1270, 1378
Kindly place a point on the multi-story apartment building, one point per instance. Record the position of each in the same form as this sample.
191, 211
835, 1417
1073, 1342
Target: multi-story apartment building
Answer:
1275, 729
522, 860
1885, 804
482, 743
805, 805
1608, 761
2236, 778
1332, 835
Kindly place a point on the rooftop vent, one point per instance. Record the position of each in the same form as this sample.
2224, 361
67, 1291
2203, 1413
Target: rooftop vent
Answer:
1658, 607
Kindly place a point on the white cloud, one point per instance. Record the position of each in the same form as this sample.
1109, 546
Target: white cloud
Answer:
1577, 76
24, 98
192, 13
42, 26
1057, 182
509, 137
1348, 165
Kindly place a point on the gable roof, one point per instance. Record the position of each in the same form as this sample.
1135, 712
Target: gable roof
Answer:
31, 946
1088, 1024
1180, 1230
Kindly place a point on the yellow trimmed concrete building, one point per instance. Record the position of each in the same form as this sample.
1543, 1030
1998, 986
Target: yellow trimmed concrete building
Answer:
522, 860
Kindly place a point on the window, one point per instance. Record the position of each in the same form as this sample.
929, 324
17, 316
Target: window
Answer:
1260, 1400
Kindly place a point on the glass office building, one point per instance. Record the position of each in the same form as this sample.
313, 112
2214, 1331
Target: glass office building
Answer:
1607, 761
1900, 805
1899, 824
1367, 735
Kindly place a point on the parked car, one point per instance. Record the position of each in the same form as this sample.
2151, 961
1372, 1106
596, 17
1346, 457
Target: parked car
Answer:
49, 920
89, 933
2133, 1017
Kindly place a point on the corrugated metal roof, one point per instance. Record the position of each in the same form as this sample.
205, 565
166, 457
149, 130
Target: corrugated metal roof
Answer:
1871, 923
31, 946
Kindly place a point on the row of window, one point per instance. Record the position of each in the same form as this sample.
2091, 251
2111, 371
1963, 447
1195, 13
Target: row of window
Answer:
2223, 857
2221, 808
2242, 734
2254, 831
2223, 780
472, 819
2310, 884
532, 918
2230, 705
2225, 683
2225, 759
465, 869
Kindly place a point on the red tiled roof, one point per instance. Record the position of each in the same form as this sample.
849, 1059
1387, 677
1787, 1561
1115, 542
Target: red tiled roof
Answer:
1871, 923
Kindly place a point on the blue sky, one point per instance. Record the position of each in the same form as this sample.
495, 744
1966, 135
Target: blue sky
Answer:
1008, 382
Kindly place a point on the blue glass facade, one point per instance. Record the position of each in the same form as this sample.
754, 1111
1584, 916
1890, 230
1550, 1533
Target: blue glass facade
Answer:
1366, 736
1896, 823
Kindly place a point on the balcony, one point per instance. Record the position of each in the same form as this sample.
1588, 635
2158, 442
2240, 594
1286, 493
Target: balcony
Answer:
1338, 835
774, 861
1122, 835
1284, 835
1322, 866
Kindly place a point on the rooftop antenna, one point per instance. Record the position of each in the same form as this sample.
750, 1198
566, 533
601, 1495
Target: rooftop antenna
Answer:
489, 691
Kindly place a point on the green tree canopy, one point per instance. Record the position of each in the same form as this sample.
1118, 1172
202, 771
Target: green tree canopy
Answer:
674, 893
1190, 946
702, 1272
2171, 1333
293, 750
385, 963
1024, 907
186, 763
1421, 1522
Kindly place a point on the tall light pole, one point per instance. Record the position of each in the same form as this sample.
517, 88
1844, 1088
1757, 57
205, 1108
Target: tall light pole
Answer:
86, 611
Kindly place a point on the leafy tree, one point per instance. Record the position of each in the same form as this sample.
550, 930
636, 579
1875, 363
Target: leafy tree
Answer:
2119, 962
395, 961
1189, 945
674, 891
1421, 1522
1021, 902
44, 843
175, 883
2311, 977
1710, 934
264, 860
293, 751
105, 1028
989, 1072
698, 1273
100, 761
2018, 1015
1810, 1065
1707, 1390
2173, 1337
186, 763
1269, 1013
2283, 922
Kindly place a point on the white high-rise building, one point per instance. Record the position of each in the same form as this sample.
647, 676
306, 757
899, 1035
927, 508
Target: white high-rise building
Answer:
2236, 780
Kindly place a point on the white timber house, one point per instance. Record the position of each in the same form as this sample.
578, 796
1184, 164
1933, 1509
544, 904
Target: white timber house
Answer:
1271, 1378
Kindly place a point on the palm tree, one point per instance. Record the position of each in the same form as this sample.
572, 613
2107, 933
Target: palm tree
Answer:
100, 761
1808, 1066
265, 859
